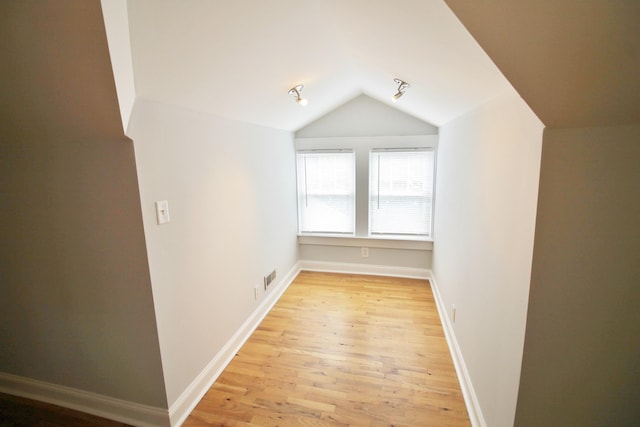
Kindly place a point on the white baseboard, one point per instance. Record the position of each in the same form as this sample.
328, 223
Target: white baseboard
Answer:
84, 401
180, 410
188, 400
369, 269
142, 415
470, 398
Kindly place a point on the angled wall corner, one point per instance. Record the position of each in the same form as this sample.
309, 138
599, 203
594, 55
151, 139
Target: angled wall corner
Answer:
581, 351
231, 190
487, 188
59, 85
76, 305
116, 22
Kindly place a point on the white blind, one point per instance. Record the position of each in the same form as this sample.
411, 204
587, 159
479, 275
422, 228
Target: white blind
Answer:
326, 191
401, 192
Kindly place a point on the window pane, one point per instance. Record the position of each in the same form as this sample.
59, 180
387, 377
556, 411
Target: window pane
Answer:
401, 192
326, 192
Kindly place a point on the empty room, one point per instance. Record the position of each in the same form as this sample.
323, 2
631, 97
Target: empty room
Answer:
320, 213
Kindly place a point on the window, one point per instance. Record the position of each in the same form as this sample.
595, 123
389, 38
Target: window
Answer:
401, 192
326, 191
389, 196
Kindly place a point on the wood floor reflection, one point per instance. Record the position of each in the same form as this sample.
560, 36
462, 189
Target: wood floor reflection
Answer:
341, 350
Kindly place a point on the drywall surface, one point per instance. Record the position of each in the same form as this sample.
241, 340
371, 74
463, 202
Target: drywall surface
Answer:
56, 82
75, 303
581, 361
486, 189
238, 59
232, 203
116, 22
76, 308
364, 116
544, 48
361, 125
411, 258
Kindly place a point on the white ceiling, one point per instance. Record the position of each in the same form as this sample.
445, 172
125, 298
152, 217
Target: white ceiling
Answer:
239, 58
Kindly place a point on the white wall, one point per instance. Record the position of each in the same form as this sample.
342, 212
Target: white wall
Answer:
411, 258
581, 361
487, 184
365, 116
116, 23
231, 193
362, 124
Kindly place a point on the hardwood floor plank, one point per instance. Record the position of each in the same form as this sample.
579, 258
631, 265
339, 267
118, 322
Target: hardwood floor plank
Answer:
341, 350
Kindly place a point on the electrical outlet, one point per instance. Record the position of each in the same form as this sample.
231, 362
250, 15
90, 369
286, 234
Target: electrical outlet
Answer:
255, 291
453, 313
364, 252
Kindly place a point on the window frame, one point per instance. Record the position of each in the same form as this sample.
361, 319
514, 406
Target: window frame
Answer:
361, 147
353, 192
370, 207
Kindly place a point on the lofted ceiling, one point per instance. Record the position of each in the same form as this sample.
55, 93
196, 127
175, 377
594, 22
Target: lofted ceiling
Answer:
42, 43
575, 62
238, 59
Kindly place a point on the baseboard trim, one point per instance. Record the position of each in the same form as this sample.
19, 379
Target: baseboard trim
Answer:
180, 410
84, 401
469, 394
368, 269
143, 415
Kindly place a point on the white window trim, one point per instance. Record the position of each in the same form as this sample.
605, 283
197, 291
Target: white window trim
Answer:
328, 151
368, 242
403, 150
362, 147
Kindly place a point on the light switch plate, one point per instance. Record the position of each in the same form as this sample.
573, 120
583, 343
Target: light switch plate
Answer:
162, 211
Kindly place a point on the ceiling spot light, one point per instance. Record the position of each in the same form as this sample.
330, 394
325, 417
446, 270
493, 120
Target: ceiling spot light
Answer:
295, 91
402, 86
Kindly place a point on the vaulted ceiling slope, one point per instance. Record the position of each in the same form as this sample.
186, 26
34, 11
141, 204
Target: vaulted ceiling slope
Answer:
55, 79
239, 58
575, 62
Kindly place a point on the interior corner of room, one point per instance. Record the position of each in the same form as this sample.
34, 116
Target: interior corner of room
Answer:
150, 193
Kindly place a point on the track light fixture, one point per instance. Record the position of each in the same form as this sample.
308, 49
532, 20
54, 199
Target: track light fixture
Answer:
402, 86
295, 91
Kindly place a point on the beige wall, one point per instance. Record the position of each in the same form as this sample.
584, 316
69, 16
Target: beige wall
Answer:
59, 83
75, 296
75, 301
581, 361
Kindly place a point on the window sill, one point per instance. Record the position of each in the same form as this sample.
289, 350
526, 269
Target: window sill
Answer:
419, 244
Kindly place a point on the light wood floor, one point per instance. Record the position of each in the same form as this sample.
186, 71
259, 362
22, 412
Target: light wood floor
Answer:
341, 350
